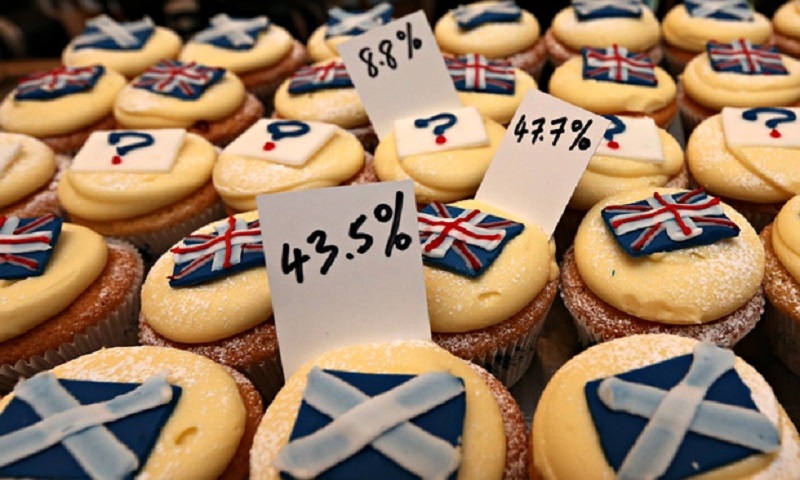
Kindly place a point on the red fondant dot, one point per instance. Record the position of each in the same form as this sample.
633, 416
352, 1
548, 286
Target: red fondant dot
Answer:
775, 134
269, 146
441, 140
613, 145
116, 160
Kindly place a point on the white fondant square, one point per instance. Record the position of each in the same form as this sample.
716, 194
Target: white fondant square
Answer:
638, 141
758, 130
8, 152
130, 151
287, 148
460, 128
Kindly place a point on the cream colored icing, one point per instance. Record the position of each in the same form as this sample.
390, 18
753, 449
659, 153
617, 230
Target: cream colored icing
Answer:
443, 176
115, 196
492, 40
635, 34
32, 168
140, 108
206, 312
752, 174
500, 108
239, 179
787, 19
77, 260
321, 48
483, 440
457, 303
562, 424
722, 89
162, 44
786, 237
607, 175
59, 116
691, 34
271, 46
683, 287
567, 83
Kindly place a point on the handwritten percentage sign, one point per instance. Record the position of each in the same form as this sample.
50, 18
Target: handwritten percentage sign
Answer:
384, 213
580, 141
412, 42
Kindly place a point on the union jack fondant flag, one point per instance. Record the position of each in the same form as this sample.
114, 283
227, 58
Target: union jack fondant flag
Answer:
743, 57
475, 15
730, 10
232, 33
616, 64
185, 81
104, 33
58, 82
463, 241
668, 222
341, 22
26, 245
233, 246
312, 78
475, 73
586, 10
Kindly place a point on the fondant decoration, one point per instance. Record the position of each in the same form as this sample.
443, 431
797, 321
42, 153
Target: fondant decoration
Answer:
232, 33
8, 153
587, 10
26, 245
616, 64
103, 33
678, 418
361, 425
745, 58
462, 241
761, 127
460, 128
79, 429
233, 246
288, 142
470, 16
312, 78
341, 22
58, 82
475, 73
130, 151
181, 80
730, 10
663, 223
634, 138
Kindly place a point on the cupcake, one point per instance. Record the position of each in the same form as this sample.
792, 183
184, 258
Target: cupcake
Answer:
462, 419
661, 406
64, 292
786, 23
664, 261
341, 26
496, 30
138, 412
129, 48
29, 173
588, 23
613, 81
260, 53
208, 101
689, 26
63, 106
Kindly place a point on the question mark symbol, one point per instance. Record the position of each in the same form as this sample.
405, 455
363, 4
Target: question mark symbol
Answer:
145, 140
785, 116
449, 121
617, 127
285, 129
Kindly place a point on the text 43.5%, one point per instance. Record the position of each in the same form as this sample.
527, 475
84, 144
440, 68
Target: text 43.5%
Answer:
537, 131
385, 47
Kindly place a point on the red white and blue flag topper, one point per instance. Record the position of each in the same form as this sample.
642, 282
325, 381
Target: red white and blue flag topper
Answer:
587, 10
104, 33
761, 127
288, 142
58, 82
616, 64
233, 246
341, 22
26, 245
181, 80
745, 58
668, 222
232, 33
463, 241
471, 16
726, 10
458, 128
475, 73
325, 76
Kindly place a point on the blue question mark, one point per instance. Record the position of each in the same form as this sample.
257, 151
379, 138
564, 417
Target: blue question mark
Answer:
145, 140
617, 126
438, 130
285, 129
785, 116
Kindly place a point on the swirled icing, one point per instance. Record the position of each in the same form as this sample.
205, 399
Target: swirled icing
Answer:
270, 48
32, 168
500, 108
635, 34
321, 48
787, 19
691, 34
786, 237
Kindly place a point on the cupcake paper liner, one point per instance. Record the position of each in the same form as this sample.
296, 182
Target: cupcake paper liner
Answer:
672, 64
784, 336
267, 376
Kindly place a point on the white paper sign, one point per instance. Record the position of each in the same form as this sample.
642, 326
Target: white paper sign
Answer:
8, 152
130, 151
541, 159
459, 128
634, 138
289, 142
344, 266
761, 127
399, 72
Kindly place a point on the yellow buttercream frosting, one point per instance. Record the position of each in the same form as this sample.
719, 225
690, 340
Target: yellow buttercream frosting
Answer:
483, 440
59, 116
786, 237
606, 175
210, 311
442, 176
691, 34
635, 34
500, 108
492, 40
32, 168
115, 196
270, 47
683, 287
566, 444
163, 44
78, 258
321, 48
787, 19
567, 83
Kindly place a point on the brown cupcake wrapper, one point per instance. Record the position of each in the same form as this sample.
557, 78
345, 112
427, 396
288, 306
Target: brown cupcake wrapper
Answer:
265, 93
784, 335
267, 376
673, 64
756, 219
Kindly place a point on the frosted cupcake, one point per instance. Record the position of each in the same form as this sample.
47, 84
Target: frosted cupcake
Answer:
786, 23
341, 26
29, 173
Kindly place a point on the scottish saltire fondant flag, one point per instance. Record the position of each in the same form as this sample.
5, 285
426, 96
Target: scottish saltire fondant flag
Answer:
341, 22
730, 10
58, 82
185, 81
475, 73
104, 33
586, 10
232, 33
332, 74
26, 245
477, 14
743, 57
616, 64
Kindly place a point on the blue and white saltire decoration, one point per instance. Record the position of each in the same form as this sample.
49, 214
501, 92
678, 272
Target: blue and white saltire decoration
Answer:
730, 10
181, 80
341, 22
743, 57
232, 33
58, 82
475, 73
586, 10
26, 245
104, 33
616, 64
471, 16
312, 78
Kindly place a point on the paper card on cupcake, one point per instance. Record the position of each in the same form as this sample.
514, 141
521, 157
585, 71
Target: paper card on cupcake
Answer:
634, 138
448, 130
761, 127
8, 153
130, 151
288, 142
